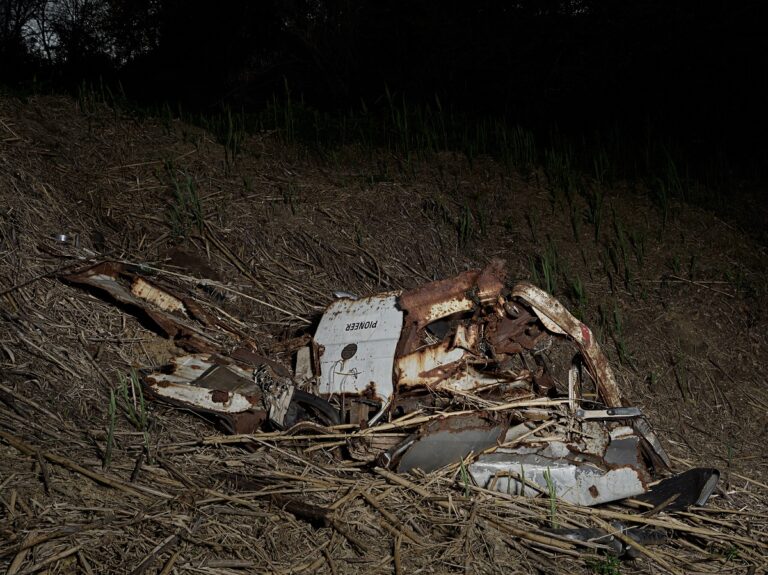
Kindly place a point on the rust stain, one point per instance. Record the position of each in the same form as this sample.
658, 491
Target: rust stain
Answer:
116, 279
444, 371
370, 391
441, 298
508, 335
253, 359
247, 421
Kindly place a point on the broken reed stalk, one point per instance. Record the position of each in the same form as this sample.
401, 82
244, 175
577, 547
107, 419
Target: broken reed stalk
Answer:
381, 429
225, 288
111, 414
51, 560
136, 490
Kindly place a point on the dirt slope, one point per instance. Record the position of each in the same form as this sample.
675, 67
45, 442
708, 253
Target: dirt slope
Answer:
681, 305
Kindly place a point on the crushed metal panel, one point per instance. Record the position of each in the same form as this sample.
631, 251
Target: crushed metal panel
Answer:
197, 382
440, 368
443, 298
467, 337
468, 380
556, 318
692, 487
303, 370
512, 334
624, 449
429, 365
227, 378
185, 368
195, 397
450, 440
108, 277
577, 483
357, 341
656, 451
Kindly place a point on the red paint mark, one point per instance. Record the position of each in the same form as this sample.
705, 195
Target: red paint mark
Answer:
586, 335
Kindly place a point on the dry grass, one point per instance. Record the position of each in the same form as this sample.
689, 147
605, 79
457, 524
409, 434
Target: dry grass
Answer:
281, 232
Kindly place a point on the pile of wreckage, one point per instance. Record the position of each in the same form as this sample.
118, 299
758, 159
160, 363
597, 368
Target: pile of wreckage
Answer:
518, 388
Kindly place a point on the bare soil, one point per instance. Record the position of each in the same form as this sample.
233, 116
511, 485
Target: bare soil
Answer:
680, 306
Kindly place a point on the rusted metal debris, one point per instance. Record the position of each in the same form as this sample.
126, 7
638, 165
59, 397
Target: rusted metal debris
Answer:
529, 401
177, 316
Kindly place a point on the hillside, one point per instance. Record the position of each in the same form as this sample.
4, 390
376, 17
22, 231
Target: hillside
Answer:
677, 296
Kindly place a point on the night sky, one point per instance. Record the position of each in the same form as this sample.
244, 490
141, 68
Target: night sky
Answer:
692, 72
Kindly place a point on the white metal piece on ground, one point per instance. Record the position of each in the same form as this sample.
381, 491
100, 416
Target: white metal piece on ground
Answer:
357, 340
581, 484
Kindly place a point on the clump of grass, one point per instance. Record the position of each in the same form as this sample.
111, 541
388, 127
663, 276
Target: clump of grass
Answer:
519, 147
290, 194
578, 295
90, 95
465, 226
133, 404
552, 498
637, 238
602, 169
667, 186
87, 98
675, 264
618, 337
594, 196
661, 196
398, 112
545, 269
681, 374
608, 565
185, 213
692, 267
562, 178
229, 129
532, 218
575, 221
671, 175
622, 250
731, 554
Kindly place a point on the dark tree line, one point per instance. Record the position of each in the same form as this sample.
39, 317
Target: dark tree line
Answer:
698, 67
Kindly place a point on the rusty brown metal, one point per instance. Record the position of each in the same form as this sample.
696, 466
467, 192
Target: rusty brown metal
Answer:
163, 308
557, 319
246, 356
443, 298
211, 384
460, 336
512, 335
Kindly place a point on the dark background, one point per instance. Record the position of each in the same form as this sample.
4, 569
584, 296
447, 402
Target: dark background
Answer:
693, 73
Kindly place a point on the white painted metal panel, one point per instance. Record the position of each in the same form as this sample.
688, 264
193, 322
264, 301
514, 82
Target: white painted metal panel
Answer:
373, 325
